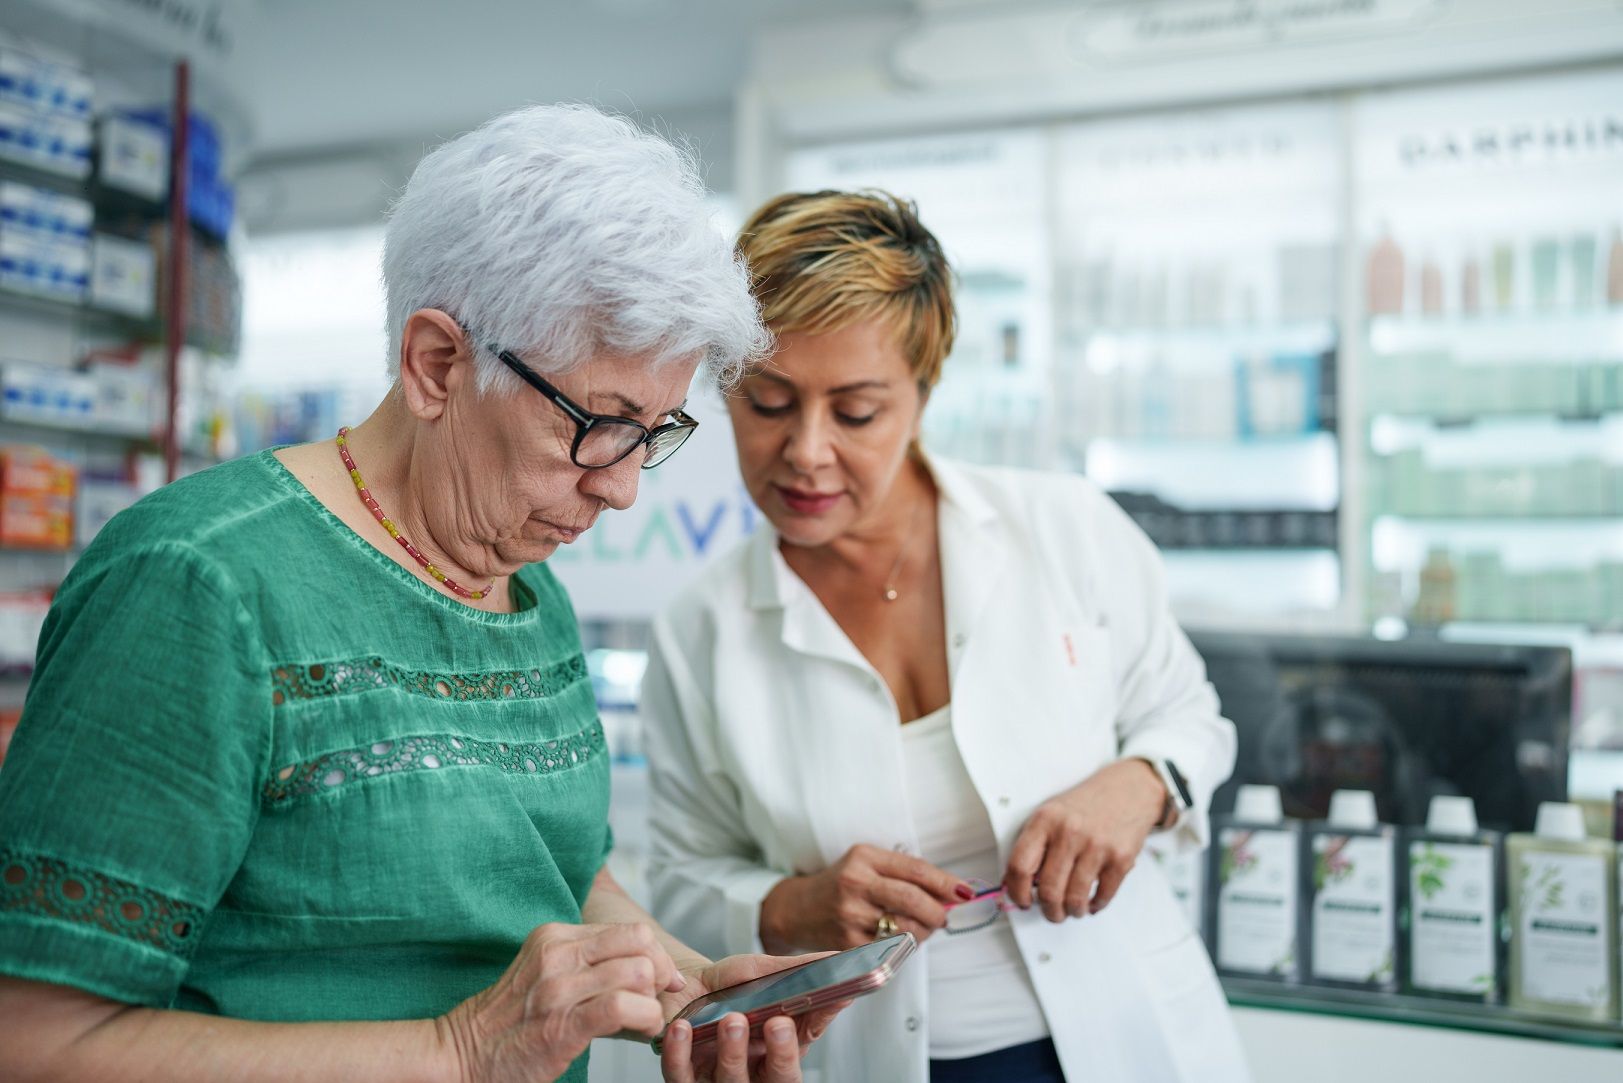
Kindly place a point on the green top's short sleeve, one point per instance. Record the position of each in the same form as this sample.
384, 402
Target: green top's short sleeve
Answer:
130, 792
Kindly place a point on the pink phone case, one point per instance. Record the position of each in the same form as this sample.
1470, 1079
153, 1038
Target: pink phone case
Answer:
861, 985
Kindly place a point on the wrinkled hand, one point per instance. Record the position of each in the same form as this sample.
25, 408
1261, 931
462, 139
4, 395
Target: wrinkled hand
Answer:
568, 985
737, 1056
1089, 835
840, 907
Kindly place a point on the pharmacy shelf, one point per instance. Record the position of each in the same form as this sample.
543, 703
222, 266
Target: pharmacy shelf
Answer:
1293, 442
1399, 543
113, 202
1595, 320
1590, 648
23, 427
24, 172
135, 327
1303, 474
1219, 587
1417, 1011
1520, 623
1536, 522
1586, 335
1496, 418
1239, 551
1316, 331
1104, 351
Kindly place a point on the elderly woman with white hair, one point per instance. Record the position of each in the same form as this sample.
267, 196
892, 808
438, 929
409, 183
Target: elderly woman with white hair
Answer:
310, 782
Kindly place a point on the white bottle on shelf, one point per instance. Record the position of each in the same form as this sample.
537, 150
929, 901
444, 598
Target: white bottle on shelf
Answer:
1352, 882
1563, 911
1454, 904
1254, 861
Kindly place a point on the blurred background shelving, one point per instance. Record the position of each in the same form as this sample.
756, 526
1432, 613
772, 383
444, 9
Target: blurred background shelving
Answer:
91, 345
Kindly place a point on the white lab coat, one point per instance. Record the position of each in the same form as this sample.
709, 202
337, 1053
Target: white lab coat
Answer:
775, 747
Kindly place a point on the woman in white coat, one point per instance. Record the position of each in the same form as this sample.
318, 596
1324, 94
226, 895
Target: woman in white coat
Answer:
923, 682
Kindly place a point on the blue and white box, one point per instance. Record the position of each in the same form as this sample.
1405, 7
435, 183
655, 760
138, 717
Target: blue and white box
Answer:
46, 395
134, 157
123, 276
44, 87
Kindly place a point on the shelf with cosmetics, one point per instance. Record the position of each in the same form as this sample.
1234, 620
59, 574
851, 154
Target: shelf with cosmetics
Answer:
1388, 904
1492, 360
1417, 1011
1198, 356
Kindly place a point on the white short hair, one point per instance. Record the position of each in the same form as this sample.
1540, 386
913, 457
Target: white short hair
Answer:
561, 232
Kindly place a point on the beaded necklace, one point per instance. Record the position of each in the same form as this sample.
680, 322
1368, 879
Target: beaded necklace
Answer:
394, 532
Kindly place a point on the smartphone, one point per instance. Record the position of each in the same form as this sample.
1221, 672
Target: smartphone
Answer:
805, 988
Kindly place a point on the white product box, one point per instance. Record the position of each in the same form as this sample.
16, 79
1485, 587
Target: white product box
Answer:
55, 269
44, 140
134, 158
48, 214
44, 87
95, 503
128, 398
46, 395
123, 275
22, 618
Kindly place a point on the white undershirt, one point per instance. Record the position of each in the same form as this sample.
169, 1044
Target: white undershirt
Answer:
981, 997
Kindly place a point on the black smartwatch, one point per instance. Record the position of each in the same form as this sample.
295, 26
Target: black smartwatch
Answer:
1179, 800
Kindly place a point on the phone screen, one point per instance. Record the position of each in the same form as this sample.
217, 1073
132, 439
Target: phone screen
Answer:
796, 981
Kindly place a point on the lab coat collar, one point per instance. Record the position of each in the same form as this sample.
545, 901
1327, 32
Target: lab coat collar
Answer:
771, 582
971, 549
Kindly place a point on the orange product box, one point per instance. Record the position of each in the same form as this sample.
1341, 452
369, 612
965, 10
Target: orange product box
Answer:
35, 470
36, 499
8, 726
35, 521
27, 470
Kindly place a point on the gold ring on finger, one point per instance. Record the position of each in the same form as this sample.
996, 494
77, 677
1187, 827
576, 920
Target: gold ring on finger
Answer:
886, 927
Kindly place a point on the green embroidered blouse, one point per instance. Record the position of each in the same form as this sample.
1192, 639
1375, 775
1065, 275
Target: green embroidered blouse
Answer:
263, 771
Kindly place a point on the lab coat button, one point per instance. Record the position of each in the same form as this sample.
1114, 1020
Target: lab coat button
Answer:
900, 847
1044, 957
959, 640
912, 1022
1003, 802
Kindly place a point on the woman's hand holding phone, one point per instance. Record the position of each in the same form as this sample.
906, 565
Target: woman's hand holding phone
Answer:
840, 907
737, 1056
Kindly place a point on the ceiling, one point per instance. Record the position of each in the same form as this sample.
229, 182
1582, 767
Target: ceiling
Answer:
320, 76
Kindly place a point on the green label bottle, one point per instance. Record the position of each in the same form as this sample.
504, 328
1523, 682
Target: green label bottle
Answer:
1454, 901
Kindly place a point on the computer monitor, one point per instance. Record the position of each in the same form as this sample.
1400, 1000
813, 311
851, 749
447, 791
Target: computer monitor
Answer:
1407, 720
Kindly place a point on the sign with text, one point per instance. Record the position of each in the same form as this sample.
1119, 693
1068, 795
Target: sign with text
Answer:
689, 510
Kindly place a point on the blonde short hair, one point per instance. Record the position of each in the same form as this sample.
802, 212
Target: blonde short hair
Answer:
822, 261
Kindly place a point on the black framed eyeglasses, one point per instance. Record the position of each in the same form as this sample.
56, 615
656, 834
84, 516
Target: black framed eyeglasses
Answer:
604, 439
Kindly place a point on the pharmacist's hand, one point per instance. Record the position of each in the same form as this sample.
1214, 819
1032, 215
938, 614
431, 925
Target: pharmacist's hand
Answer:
568, 985
1089, 835
770, 1055
840, 907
